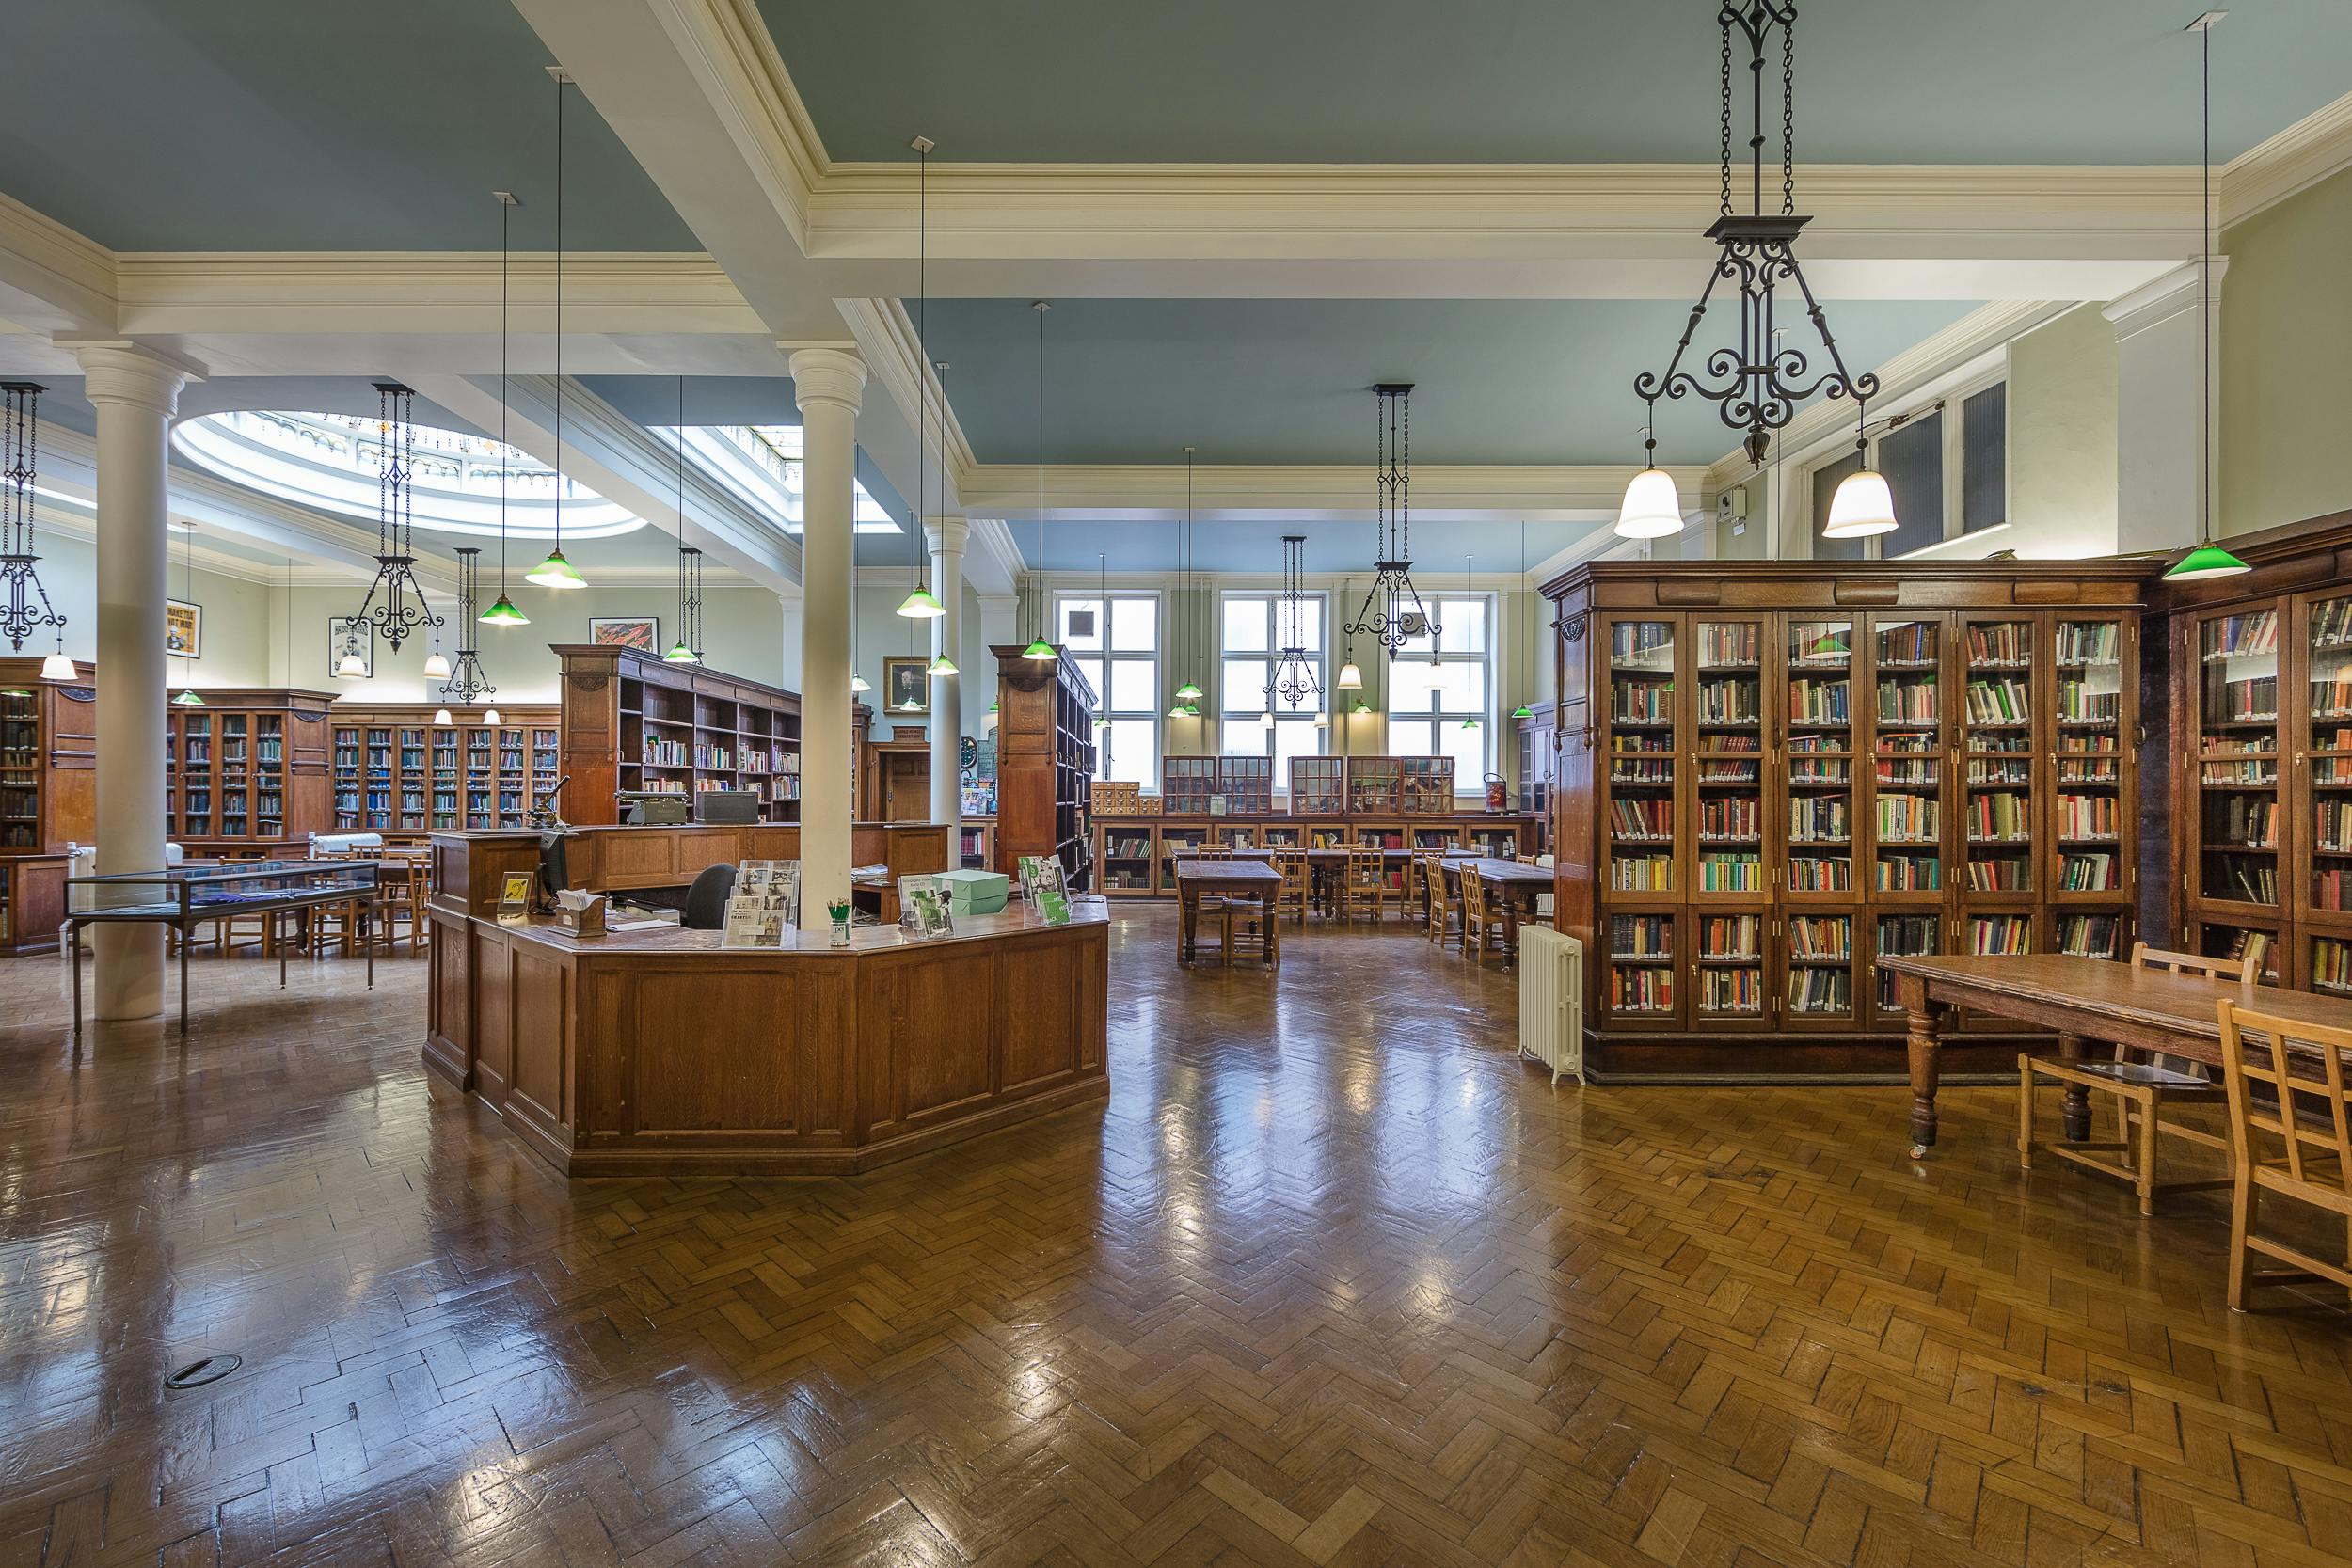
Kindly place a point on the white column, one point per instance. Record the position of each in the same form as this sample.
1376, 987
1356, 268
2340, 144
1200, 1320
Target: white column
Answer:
135, 391
2164, 429
945, 537
829, 384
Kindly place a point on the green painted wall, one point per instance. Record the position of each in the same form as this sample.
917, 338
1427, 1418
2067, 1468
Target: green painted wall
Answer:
2286, 335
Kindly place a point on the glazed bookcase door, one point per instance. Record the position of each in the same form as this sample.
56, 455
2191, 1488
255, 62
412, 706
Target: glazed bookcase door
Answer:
2317, 809
1821, 705
1820, 963
2235, 662
2093, 787
1731, 740
1731, 968
1642, 723
2222, 937
2002, 708
1900, 930
1912, 821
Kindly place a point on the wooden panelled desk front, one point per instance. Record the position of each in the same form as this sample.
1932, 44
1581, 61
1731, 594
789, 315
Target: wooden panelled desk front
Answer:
2081, 1000
660, 1052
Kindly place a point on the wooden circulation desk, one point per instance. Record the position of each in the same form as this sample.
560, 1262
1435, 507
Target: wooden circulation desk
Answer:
660, 1052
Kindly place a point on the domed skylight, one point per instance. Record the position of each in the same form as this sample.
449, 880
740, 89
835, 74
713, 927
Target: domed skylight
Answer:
332, 462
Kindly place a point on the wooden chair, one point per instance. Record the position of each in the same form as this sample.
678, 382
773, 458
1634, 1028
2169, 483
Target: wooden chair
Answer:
1444, 910
1214, 852
1291, 863
1420, 870
2297, 1144
1482, 923
2140, 1085
1364, 883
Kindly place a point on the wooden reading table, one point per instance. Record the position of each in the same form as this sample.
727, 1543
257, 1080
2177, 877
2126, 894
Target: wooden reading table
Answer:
2079, 1000
1237, 878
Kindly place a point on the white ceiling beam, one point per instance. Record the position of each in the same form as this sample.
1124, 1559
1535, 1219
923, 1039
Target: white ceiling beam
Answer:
614, 456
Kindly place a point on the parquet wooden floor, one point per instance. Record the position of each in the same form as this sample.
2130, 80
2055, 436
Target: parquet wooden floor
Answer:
1332, 1280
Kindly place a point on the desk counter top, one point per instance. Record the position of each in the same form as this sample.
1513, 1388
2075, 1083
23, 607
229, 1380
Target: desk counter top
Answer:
673, 941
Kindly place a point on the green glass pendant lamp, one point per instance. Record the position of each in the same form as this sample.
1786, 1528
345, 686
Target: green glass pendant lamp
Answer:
555, 571
503, 611
1038, 648
1187, 695
2208, 560
921, 604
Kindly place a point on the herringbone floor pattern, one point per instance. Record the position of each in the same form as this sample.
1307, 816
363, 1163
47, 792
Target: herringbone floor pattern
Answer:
1333, 1279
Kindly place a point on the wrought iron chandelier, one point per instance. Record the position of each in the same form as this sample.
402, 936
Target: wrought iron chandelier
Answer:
28, 609
403, 607
1754, 384
467, 680
1293, 678
688, 649
1392, 612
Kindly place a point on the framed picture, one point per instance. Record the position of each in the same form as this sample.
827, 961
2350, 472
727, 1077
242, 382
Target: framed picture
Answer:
906, 679
626, 631
344, 637
183, 629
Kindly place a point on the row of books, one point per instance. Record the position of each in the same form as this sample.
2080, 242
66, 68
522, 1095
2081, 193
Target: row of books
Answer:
1908, 702
1820, 701
1640, 988
1820, 990
1733, 817
2331, 964
1910, 873
1729, 702
1818, 820
2088, 871
2242, 821
1640, 936
1640, 818
2001, 702
1808, 874
2005, 934
2089, 936
2089, 643
1998, 815
2000, 643
2253, 633
1730, 644
1731, 936
1641, 702
2248, 878
1731, 990
1643, 642
1909, 816
1821, 936
2080, 702
1641, 873
2082, 817
1720, 872
1998, 874
2252, 701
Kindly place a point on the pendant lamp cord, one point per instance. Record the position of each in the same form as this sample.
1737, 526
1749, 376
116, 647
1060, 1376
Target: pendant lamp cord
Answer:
506, 211
559, 315
2205, 293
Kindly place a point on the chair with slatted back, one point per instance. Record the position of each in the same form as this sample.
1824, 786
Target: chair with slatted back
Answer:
1216, 907
1481, 922
2296, 1143
1444, 907
1365, 881
1291, 896
2140, 1085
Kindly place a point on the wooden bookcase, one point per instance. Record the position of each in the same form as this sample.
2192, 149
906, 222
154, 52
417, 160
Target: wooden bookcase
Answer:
2260, 754
1044, 764
631, 721
398, 773
1136, 854
1539, 743
48, 759
1767, 779
246, 772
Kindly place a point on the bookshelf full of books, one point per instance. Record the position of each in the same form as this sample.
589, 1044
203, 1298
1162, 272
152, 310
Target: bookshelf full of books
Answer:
2234, 861
398, 773
245, 770
632, 722
1769, 779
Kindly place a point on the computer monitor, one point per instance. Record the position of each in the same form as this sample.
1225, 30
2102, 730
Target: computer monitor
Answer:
554, 873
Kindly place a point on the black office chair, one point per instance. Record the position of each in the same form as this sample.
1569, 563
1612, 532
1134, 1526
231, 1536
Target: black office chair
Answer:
706, 900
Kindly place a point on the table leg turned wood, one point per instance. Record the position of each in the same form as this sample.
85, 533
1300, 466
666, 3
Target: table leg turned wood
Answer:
1924, 1046
2075, 1118
1187, 913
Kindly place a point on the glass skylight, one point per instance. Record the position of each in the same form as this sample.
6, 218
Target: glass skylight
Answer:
333, 462
761, 464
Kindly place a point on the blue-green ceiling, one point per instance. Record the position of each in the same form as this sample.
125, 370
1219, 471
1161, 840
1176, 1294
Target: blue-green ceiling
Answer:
1542, 81
1289, 381
306, 125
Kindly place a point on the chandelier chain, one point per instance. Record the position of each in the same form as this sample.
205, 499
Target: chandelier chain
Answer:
1726, 207
1789, 116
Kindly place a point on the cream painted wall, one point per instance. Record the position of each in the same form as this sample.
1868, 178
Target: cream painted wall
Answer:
742, 634
235, 650
2286, 335
2062, 437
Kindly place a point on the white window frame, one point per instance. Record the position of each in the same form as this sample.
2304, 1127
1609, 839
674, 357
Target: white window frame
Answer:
1489, 657
1951, 402
1157, 658
1226, 714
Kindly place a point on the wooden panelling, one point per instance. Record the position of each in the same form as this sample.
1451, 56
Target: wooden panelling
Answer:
660, 1052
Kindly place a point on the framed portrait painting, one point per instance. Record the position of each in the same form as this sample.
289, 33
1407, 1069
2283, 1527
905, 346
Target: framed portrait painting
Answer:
907, 684
626, 631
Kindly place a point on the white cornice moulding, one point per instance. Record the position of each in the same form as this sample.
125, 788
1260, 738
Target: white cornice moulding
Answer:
1155, 493
2285, 164
2164, 298
1431, 578
885, 335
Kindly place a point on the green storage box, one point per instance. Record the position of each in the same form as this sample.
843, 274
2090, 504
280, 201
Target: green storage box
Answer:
975, 892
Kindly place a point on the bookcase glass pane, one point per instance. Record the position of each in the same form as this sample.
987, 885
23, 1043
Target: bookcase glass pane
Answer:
1730, 965
1640, 761
1640, 963
2220, 940
2329, 663
1730, 782
2238, 756
1997, 740
1820, 965
1907, 757
2088, 750
1904, 935
1820, 756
